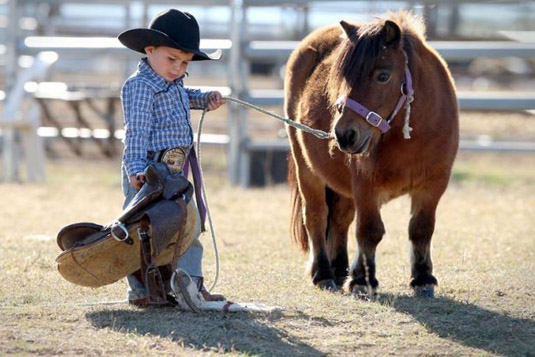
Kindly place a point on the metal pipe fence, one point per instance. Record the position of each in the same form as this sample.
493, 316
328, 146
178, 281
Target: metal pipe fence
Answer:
242, 52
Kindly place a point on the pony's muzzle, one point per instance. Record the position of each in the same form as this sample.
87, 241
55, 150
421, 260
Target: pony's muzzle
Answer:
351, 141
346, 138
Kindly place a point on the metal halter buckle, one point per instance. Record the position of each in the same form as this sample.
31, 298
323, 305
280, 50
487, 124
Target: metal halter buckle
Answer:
377, 119
123, 229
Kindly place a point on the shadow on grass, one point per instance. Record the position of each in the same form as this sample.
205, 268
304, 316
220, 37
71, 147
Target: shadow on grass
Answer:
469, 324
207, 331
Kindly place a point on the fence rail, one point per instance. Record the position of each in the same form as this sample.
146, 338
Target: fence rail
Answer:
479, 145
450, 50
280, 50
491, 101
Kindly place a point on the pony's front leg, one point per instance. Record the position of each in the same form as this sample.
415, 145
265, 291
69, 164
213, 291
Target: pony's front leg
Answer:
341, 214
421, 228
361, 281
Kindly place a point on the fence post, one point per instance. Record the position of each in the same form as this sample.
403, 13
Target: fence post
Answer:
21, 127
11, 45
9, 156
236, 121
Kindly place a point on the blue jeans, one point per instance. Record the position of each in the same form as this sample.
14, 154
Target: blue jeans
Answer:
190, 261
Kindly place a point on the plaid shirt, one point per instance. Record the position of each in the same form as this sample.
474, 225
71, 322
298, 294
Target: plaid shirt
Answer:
156, 115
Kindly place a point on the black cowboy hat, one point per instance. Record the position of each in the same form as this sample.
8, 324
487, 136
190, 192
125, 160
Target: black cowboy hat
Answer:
171, 28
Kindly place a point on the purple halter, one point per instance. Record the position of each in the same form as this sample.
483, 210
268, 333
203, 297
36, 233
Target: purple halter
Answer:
372, 117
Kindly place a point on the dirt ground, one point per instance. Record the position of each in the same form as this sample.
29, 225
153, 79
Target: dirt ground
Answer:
483, 248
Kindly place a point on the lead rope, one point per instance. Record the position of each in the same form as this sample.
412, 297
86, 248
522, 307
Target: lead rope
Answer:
316, 132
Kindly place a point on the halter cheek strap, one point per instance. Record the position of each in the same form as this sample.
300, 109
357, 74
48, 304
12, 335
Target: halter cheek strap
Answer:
374, 119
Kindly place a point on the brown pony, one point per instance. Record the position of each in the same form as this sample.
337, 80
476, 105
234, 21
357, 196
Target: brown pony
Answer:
357, 82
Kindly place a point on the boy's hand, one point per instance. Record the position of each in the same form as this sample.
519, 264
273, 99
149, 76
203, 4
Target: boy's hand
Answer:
137, 181
215, 100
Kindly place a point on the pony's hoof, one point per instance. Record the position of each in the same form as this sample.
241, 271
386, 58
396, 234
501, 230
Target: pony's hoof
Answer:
363, 292
327, 284
340, 280
425, 291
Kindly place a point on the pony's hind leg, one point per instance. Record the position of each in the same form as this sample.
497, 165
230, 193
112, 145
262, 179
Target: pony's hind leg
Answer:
309, 215
315, 218
421, 228
341, 214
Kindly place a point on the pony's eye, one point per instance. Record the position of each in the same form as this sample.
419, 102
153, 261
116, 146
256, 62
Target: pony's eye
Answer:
383, 77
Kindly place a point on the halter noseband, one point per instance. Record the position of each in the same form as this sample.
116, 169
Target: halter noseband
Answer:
374, 119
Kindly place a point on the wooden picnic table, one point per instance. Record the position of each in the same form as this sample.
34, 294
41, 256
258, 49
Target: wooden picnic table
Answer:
75, 99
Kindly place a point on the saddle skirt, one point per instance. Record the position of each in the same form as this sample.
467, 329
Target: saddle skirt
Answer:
96, 255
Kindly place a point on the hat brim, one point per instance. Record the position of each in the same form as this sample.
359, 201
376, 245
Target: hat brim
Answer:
138, 39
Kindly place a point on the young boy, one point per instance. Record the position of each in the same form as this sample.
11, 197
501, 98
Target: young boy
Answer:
156, 109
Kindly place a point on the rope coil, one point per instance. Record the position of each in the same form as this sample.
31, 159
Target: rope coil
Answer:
208, 214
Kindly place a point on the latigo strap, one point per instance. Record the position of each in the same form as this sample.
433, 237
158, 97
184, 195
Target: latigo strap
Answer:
152, 278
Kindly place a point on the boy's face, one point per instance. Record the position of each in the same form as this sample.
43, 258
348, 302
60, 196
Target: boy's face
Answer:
170, 63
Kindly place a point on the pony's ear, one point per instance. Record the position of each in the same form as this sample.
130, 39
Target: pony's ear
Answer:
391, 34
348, 29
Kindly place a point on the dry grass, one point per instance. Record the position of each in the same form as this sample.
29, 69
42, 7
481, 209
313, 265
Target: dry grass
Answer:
483, 251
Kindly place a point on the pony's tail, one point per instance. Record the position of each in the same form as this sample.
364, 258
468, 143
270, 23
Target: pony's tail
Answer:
298, 232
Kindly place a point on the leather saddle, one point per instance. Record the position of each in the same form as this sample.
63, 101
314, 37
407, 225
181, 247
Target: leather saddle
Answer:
155, 229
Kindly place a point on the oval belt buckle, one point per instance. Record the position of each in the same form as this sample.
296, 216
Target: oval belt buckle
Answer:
175, 159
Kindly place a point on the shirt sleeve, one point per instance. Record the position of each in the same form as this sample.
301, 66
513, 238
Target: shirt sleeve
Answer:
137, 100
197, 98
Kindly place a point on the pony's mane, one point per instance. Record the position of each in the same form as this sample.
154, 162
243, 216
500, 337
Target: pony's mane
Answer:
357, 54
410, 24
